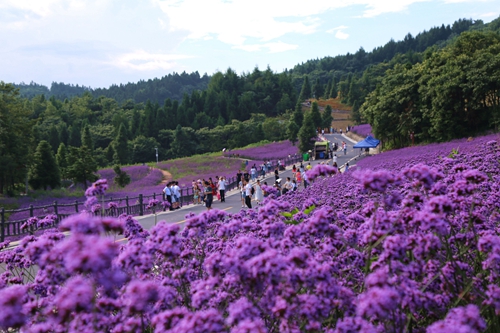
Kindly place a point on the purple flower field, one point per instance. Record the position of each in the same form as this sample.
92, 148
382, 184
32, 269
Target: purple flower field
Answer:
406, 241
185, 170
143, 180
362, 130
275, 150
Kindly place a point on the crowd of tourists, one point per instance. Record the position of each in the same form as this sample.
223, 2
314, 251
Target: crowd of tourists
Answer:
250, 182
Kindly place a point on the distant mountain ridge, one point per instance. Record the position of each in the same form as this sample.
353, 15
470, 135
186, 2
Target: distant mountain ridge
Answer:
172, 86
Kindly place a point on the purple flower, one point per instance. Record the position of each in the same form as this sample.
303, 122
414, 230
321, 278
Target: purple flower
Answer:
76, 296
377, 180
250, 325
87, 253
320, 170
112, 205
152, 204
140, 295
354, 324
461, 319
240, 311
424, 174
97, 188
378, 302
11, 302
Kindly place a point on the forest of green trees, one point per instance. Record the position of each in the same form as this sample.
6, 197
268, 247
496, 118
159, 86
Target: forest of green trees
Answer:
442, 84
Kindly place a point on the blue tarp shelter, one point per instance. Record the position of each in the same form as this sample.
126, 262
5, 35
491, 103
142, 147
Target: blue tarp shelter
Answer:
369, 142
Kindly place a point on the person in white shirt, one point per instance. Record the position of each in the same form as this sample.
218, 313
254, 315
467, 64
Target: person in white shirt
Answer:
334, 158
248, 194
241, 187
177, 194
168, 195
222, 189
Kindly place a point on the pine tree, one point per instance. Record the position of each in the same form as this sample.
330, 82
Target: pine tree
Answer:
316, 116
305, 92
63, 133
120, 146
328, 88
82, 166
333, 90
53, 138
62, 160
356, 115
121, 179
306, 133
292, 131
135, 123
75, 136
87, 139
317, 89
298, 116
327, 117
44, 172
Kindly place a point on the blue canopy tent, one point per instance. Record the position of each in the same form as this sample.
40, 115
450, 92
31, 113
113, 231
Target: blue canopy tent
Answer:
369, 142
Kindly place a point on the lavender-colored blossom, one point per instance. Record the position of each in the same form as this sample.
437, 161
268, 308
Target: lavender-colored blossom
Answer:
11, 303
354, 324
462, 319
76, 296
140, 295
112, 205
97, 188
152, 204
378, 302
320, 170
377, 180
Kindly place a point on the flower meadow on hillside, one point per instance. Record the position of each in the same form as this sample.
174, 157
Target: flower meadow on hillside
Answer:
362, 130
187, 169
271, 151
414, 248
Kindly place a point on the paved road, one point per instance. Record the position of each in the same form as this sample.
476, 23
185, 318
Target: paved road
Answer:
233, 201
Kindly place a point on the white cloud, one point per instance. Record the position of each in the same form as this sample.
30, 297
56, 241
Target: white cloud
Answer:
489, 15
341, 35
379, 7
232, 22
271, 47
143, 61
338, 32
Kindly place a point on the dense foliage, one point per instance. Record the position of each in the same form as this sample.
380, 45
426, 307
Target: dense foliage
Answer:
454, 92
406, 248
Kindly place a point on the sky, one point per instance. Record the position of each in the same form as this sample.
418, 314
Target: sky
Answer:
98, 43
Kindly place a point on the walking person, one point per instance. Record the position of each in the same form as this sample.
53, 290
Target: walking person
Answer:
196, 194
222, 189
209, 197
259, 195
248, 194
241, 186
168, 195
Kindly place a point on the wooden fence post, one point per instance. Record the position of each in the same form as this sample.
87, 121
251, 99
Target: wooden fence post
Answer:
31, 210
128, 207
76, 206
2, 234
55, 209
141, 208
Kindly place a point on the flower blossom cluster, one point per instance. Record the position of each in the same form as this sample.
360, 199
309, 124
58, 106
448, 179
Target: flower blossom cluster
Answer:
412, 248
